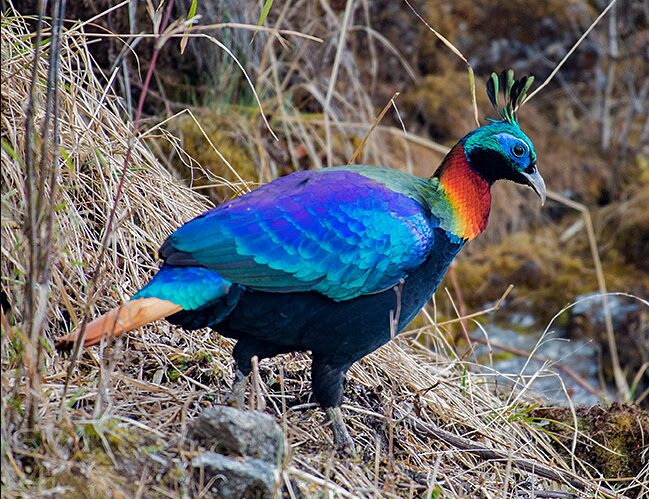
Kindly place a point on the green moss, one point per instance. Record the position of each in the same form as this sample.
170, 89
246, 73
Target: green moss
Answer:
229, 140
429, 98
104, 459
197, 366
173, 375
13, 349
99, 434
202, 357
500, 356
521, 412
618, 432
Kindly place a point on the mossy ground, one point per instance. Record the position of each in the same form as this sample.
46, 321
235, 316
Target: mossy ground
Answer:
205, 144
614, 440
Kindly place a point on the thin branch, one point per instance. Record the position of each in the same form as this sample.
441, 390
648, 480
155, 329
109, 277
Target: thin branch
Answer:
378, 119
217, 26
113, 212
30, 220
334, 76
527, 465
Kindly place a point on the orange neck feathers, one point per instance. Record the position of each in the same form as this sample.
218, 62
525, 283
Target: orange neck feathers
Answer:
467, 193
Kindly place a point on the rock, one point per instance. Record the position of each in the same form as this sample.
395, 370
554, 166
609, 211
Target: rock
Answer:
588, 314
232, 431
580, 355
237, 477
630, 324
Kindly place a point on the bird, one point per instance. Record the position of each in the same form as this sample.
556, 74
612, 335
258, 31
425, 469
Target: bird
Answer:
335, 261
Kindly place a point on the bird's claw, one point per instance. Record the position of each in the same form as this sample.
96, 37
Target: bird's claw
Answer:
342, 440
236, 397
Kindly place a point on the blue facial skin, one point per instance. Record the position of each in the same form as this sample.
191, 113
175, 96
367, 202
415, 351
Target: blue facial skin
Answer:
517, 149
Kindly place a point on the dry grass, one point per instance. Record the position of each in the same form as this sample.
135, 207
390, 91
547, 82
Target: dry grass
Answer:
119, 430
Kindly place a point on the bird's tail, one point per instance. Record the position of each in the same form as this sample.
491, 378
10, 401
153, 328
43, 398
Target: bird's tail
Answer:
171, 290
122, 319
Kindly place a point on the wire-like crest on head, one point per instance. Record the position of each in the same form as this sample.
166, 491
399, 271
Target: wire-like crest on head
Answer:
514, 93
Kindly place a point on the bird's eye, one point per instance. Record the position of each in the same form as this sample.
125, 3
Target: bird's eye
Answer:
518, 150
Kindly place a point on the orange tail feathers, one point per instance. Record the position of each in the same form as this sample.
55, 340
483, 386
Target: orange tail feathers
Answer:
122, 319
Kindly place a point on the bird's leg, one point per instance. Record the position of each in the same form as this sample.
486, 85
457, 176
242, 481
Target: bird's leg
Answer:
236, 397
342, 439
327, 380
244, 351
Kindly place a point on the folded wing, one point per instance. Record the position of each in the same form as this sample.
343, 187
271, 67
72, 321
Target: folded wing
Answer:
337, 232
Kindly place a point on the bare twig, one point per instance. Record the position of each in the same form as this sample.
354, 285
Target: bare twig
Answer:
40, 186
528, 465
94, 283
359, 148
326, 111
29, 359
203, 27
607, 103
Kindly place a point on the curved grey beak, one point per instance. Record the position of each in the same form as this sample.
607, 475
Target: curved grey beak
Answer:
535, 181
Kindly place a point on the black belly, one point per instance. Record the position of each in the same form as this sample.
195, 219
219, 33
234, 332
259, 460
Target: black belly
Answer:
311, 321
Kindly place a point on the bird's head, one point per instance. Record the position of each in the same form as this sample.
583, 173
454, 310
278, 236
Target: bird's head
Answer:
501, 150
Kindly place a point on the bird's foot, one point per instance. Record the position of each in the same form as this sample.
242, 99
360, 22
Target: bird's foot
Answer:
342, 440
236, 397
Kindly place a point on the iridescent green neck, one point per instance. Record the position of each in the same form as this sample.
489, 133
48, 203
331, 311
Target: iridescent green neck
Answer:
423, 190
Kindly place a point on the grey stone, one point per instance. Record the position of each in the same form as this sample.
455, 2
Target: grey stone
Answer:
591, 307
236, 477
232, 431
630, 319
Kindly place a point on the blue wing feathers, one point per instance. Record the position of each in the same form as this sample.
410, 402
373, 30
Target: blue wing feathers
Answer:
337, 232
